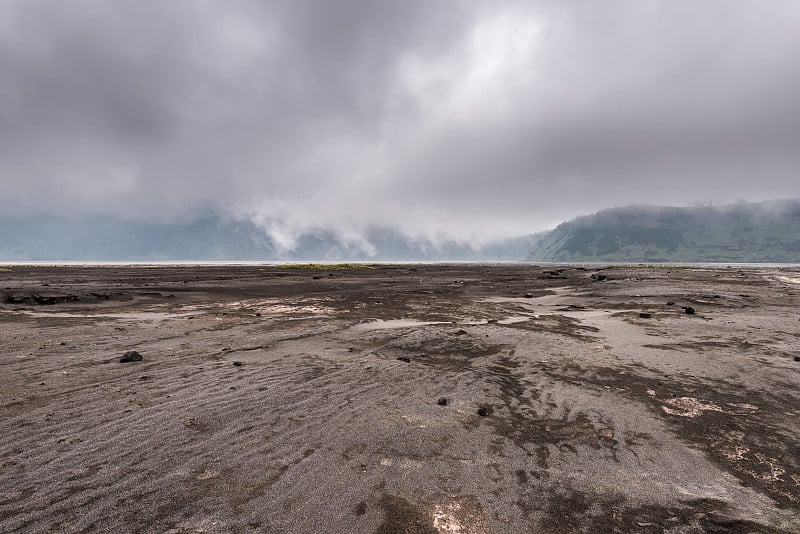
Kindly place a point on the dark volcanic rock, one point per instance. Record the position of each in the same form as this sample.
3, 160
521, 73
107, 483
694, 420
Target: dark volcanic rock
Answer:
131, 356
17, 299
797, 358
404, 359
483, 411
645, 315
442, 401
46, 300
688, 310
237, 364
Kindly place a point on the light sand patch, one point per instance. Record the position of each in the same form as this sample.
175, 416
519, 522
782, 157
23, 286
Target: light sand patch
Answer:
734, 451
689, 407
133, 316
207, 474
267, 307
744, 406
444, 521
458, 518
380, 324
515, 320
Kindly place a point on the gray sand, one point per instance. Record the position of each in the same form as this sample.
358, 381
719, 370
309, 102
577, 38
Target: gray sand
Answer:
598, 419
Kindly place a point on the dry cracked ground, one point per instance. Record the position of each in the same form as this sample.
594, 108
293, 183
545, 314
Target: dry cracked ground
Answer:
400, 398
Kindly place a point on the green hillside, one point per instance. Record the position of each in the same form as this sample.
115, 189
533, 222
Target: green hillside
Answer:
756, 232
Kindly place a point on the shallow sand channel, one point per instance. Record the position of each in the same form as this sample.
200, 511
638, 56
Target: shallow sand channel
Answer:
579, 399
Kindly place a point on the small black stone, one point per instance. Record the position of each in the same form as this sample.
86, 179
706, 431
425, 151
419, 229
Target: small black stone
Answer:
670, 303
404, 359
258, 315
351, 349
528, 296
237, 364
483, 411
131, 356
442, 401
689, 310
797, 358
644, 315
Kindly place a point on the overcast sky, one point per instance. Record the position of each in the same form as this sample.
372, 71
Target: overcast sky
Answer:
461, 118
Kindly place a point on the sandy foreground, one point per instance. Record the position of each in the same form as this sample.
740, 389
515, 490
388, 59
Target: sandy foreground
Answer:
284, 400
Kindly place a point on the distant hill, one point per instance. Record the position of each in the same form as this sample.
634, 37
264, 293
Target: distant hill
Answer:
49, 238
754, 232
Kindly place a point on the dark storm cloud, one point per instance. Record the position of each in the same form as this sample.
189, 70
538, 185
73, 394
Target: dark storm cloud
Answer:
454, 118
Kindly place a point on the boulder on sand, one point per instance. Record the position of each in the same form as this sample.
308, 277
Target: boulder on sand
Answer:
131, 356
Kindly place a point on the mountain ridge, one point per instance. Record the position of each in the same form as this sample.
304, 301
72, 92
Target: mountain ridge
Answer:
763, 232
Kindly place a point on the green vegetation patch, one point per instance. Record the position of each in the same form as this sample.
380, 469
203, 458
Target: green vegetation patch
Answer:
328, 266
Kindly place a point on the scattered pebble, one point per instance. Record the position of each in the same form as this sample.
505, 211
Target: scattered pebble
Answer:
483, 411
131, 356
645, 315
404, 359
442, 401
689, 310
528, 296
670, 303
237, 364
797, 358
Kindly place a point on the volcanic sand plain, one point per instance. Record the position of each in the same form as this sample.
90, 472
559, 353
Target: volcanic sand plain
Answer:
459, 398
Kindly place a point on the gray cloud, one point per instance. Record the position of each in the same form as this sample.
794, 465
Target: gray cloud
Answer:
460, 119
